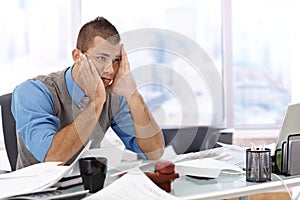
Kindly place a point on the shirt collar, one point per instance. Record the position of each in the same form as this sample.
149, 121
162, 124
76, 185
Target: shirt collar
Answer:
75, 92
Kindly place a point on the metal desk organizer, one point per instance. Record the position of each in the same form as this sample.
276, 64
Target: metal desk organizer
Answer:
289, 161
258, 165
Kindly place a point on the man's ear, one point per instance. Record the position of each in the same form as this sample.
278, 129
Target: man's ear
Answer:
76, 54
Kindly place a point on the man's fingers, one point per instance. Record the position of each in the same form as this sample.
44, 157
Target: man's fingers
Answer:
81, 62
87, 76
124, 61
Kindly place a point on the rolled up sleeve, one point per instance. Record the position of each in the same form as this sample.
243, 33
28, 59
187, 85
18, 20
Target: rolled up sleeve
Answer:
32, 107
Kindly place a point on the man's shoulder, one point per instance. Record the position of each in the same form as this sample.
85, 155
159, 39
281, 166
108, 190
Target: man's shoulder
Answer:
37, 82
30, 84
30, 88
53, 75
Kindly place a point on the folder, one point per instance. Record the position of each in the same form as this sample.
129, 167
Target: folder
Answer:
293, 159
289, 159
283, 158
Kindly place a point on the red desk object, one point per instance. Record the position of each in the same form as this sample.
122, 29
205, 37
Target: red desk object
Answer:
163, 175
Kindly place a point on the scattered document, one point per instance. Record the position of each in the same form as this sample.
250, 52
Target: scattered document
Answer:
34, 178
133, 185
206, 167
114, 155
111, 139
237, 155
197, 163
31, 179
209, 153
208, 163
170, 155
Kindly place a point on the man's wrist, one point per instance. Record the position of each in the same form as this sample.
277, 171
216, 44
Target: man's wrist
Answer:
134, 96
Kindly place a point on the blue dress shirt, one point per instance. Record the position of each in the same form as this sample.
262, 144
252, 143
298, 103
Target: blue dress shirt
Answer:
37, 125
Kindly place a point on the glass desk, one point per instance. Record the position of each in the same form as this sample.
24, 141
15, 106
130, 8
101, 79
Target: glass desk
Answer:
224, 187
228, 186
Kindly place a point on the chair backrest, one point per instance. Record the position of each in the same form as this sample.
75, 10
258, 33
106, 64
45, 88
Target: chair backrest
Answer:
191, 139
9, 130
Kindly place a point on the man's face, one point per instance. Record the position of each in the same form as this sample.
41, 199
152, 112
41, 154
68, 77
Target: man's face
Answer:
106, 58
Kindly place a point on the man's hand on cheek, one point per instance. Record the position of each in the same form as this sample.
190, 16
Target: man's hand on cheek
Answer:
89, 80
124, 83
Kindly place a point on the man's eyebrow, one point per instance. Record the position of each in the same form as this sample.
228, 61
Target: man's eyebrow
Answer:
104, 54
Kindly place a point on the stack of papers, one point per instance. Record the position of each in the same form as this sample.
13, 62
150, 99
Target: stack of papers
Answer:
34, 178
133, 185
208, 163
30, 179
206, 167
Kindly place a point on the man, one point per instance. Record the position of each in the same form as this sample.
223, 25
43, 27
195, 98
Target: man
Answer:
58, 113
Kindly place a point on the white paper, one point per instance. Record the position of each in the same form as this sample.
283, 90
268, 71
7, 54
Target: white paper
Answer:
170, 154
209, 153
131, 186
30, 179
206, 167
113, 154
34, 178
4, 162
111, 139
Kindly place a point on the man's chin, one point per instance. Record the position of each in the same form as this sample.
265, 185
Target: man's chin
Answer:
107, 85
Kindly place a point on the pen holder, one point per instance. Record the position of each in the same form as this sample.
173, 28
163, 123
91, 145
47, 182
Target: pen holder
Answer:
258, 165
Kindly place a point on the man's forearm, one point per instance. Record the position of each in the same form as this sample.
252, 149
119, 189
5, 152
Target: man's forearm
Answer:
148, 134
68, 141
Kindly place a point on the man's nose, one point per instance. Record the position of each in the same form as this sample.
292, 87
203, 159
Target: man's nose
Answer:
109, 68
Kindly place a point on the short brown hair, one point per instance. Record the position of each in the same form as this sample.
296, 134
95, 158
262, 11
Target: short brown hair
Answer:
97, 27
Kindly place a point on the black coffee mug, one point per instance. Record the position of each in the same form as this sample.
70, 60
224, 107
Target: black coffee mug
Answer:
93, 172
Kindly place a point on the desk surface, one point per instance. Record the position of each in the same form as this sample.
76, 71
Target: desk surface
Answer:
223, 187
228, 186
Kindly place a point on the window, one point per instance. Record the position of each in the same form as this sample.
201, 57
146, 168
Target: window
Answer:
170, 84
263, 35
35, 39
38, 37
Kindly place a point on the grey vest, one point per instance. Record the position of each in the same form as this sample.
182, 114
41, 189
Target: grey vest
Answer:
66, 111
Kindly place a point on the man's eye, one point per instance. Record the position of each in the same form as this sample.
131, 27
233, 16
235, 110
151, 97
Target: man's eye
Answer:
102, 58
117, 60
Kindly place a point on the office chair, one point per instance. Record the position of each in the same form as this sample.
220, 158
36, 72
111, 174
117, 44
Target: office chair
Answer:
191, 138
9, 130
